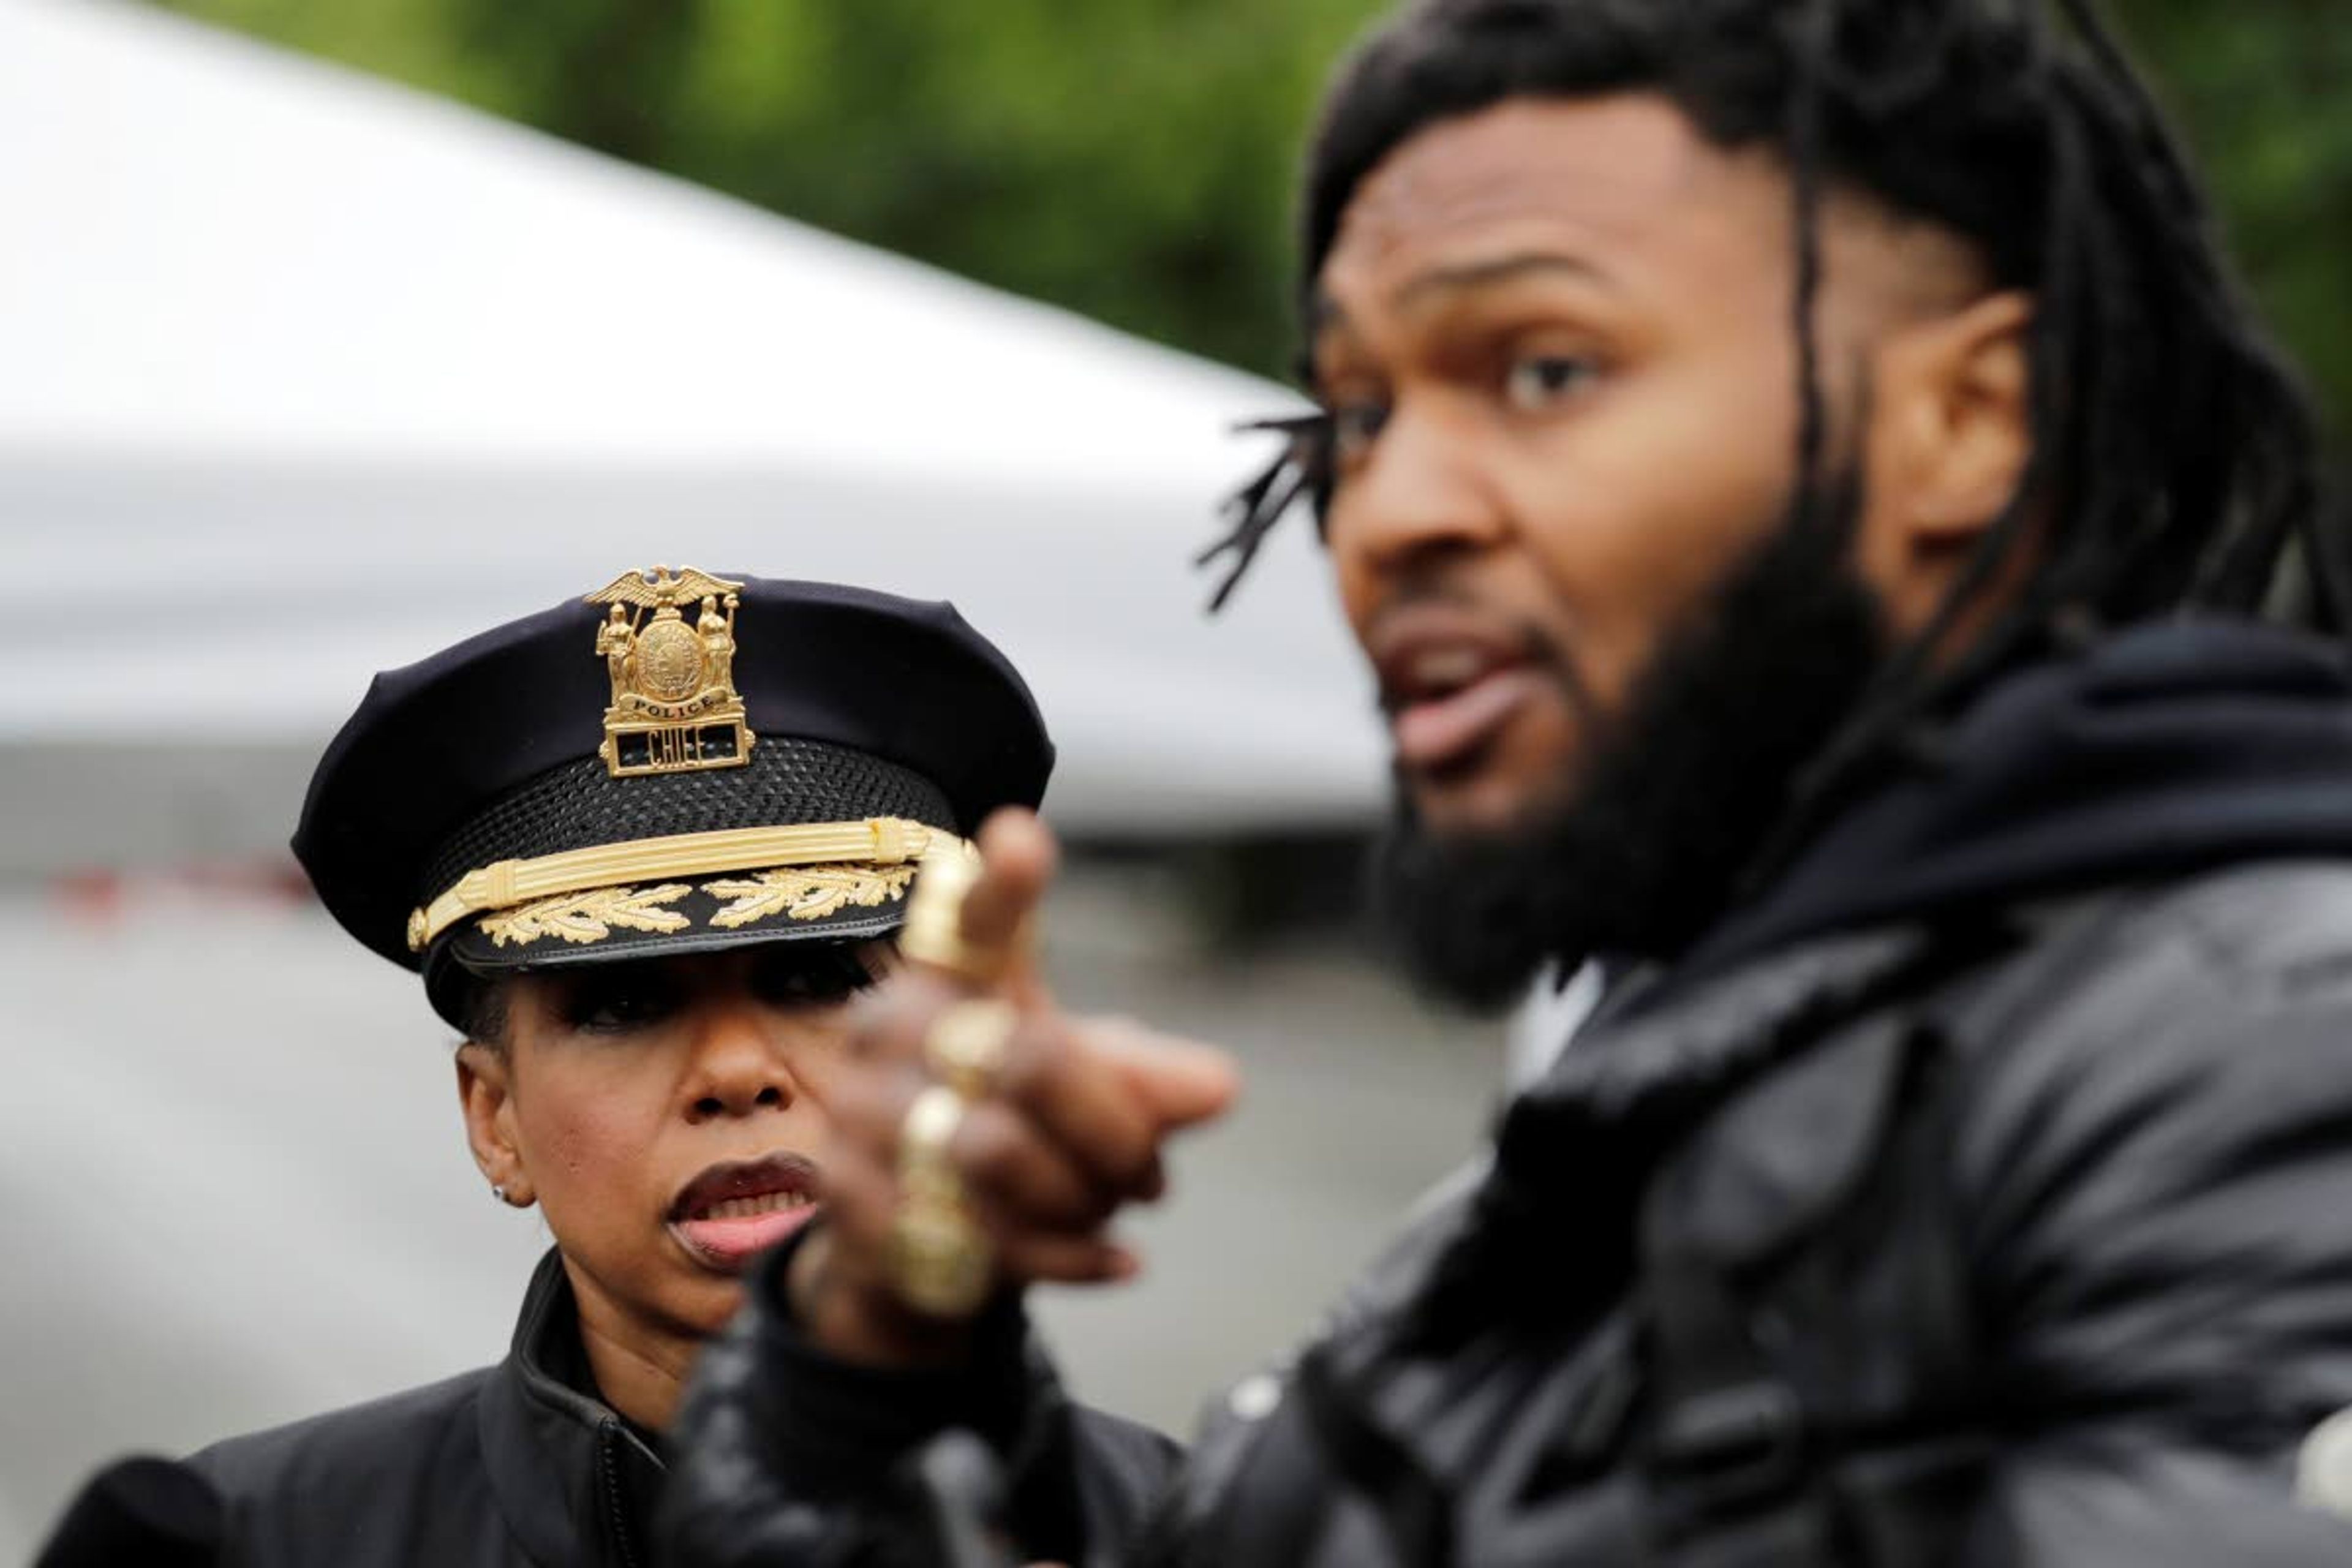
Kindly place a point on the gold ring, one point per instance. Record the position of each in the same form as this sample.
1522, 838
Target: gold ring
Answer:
967, 1044
933, 932
940, 1261
924, 1136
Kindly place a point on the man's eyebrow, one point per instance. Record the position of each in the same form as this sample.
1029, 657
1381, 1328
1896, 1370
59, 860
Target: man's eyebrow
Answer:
1324, 314
1500, 269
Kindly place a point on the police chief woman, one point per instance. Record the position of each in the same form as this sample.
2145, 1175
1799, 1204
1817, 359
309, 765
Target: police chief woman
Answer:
642, 847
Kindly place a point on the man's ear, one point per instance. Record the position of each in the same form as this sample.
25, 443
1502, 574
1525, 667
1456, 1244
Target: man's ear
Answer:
1952, 436
484, 1093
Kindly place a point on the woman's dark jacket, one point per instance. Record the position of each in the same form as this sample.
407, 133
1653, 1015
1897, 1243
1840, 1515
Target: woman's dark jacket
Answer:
520, 1463
517, 1463
1980, 1195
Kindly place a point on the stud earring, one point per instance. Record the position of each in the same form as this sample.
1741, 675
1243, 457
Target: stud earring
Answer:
499, 1193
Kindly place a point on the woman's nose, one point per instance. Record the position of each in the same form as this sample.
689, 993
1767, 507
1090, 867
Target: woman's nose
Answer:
740, 1067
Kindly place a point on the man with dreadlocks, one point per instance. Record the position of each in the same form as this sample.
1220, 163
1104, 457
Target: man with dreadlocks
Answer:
1828, 532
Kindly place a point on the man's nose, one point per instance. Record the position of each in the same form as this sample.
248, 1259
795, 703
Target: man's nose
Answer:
1417, 493
739, 1065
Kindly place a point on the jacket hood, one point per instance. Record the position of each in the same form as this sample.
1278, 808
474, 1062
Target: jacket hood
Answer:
2160, 750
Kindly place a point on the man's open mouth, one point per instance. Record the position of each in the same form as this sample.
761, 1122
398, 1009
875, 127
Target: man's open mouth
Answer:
1447, 684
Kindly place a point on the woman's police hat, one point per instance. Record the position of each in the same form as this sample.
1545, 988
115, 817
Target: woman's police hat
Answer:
676, 763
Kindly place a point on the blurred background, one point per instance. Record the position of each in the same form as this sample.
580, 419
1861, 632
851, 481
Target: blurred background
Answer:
330, 333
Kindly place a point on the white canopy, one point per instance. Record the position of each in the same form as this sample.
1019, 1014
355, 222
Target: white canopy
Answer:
303, 375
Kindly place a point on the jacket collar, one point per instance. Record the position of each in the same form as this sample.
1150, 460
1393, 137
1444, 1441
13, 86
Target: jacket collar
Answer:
574, 1483
1574, 1154
2159, 751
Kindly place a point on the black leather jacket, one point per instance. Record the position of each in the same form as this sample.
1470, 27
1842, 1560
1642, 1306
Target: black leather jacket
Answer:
1984, 1200
510, 1464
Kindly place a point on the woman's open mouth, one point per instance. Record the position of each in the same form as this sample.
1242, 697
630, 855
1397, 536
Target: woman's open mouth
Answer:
730, 1214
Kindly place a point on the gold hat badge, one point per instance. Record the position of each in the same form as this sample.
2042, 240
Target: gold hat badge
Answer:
675, 707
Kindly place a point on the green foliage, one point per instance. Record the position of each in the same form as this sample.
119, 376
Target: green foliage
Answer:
1133, 159
2261, 91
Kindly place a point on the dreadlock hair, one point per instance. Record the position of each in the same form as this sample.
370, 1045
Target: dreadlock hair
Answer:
2175, 457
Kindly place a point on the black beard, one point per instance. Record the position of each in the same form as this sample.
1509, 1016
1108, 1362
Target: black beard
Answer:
1676, 795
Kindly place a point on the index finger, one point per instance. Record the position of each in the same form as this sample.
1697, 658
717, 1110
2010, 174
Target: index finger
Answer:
1018, 857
